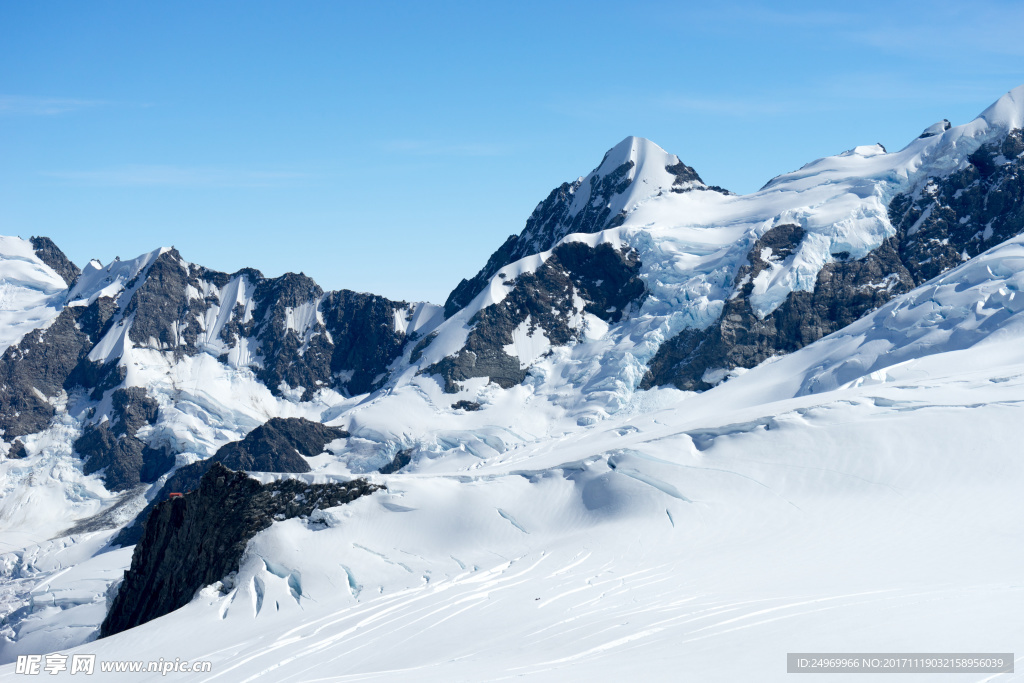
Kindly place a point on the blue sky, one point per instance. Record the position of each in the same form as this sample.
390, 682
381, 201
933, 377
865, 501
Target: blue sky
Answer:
391, 147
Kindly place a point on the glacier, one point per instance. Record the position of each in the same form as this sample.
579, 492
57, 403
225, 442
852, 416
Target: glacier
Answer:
859, 494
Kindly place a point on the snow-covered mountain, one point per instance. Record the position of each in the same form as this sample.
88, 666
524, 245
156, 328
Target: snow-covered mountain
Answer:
664, 426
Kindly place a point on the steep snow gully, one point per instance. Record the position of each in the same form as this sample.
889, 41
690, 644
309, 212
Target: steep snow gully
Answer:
667, 431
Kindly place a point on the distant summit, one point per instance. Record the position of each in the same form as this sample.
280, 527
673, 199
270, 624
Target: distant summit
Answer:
630, 173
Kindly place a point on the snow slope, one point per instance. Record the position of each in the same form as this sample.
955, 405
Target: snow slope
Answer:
880, 513
861, 494
691, 245
31, 293
683, 540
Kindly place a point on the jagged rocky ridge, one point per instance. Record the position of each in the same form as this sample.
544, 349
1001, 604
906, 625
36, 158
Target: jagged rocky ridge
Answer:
297, 336
298, 339
549, 301
586, 205
113, 447
941, 223
292, 335
277, 446
198, 539
51, 255
950, 219
47, 362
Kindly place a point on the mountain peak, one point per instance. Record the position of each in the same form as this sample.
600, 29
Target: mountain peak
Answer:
630, 173
1008, 111
642, 169
632, 149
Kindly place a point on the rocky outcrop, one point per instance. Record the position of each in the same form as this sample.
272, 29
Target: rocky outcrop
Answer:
547, 225
401, 459
276, 446
291, 355
941, 223
17, 451
311, 340
586, 205
845, 291
295, 337
197, 539
604, 279
112, 447
687, 180
36, 370
164, 315
953, 218
52, 256
936, 129
365, 339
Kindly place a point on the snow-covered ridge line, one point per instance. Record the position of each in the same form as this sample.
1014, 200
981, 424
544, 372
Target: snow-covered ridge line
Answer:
691, 245
31, 292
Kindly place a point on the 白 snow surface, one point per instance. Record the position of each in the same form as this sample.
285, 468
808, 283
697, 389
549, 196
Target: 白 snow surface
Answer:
31, 292
699, 535
691, 244
858, 495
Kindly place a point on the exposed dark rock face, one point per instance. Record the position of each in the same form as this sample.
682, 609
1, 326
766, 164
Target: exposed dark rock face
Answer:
299, 338
964, 213
348, 344
552, 220
940, 225
548, 224
96, 377
166, 318
421, 346
287, 357
49, 254
276, 446
183, 480
688, 180
365, 340
605, 279
469, 406
195, 540
17, 450
36, 368
401, 459
113, 447
844, 292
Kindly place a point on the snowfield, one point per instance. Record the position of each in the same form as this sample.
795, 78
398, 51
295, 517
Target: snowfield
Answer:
862, 494
690, 539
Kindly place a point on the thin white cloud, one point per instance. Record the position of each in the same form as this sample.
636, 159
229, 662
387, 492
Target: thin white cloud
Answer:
153, 175
22, 105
